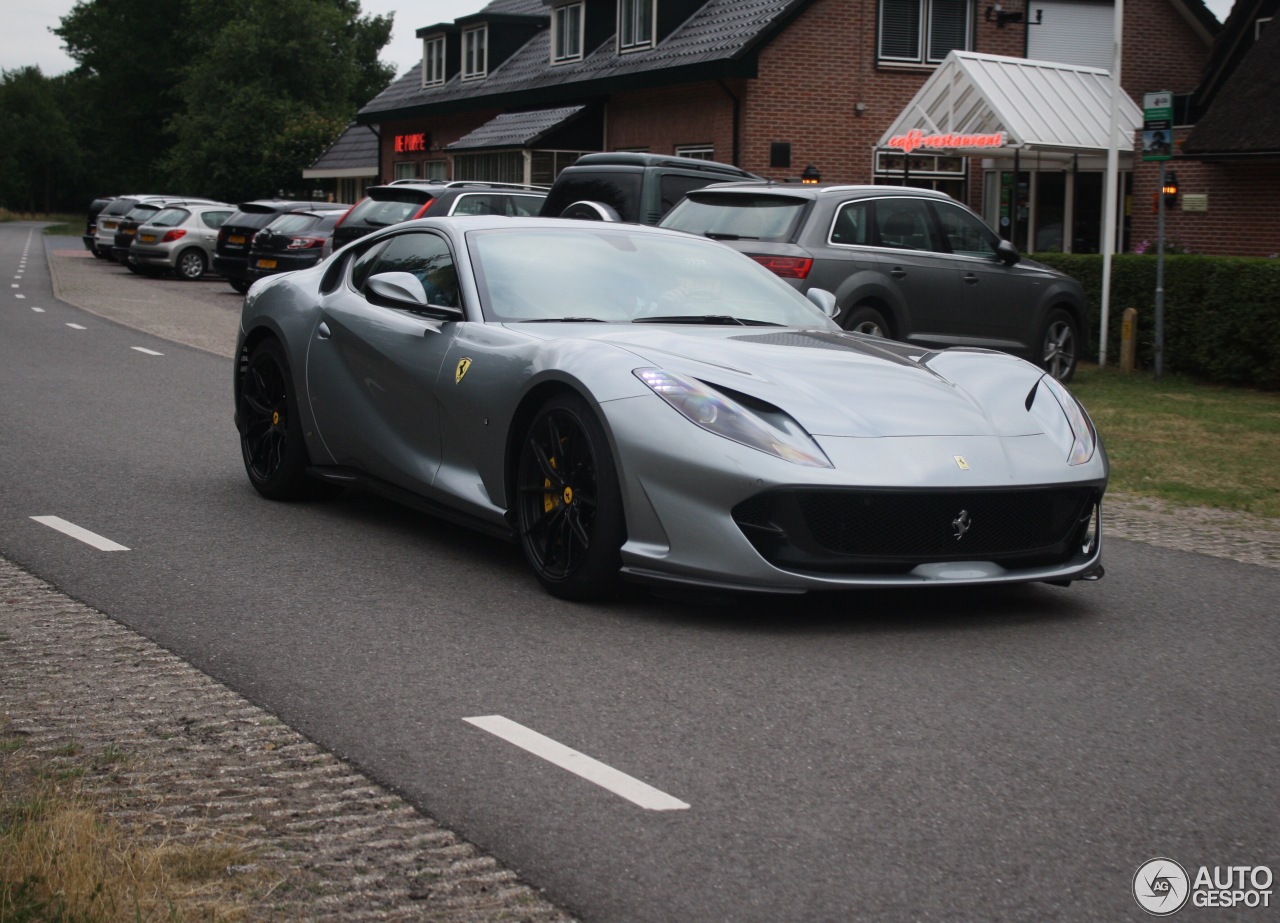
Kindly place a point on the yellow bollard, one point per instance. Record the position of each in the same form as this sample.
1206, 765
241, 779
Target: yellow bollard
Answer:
1129, 340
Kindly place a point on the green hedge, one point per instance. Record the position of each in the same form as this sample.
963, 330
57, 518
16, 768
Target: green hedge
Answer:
1221, 314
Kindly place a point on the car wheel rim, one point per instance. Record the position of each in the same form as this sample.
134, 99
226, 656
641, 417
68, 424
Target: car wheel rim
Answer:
869, 327
264, 415
558, 495
1059, 349
191, 266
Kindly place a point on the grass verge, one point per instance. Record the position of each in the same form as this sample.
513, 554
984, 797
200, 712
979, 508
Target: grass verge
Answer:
65, 859
1184, 442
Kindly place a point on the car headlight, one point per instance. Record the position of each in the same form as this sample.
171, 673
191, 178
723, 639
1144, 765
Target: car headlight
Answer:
1072, 425
753, 424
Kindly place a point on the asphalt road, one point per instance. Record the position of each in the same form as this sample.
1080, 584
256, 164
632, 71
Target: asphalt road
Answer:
1005, 754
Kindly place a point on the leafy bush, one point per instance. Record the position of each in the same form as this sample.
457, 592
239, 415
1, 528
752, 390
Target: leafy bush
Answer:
1221, 314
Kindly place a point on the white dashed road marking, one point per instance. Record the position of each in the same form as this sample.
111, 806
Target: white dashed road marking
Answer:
75, 531
149, 352
77, 327
38, 310
621, 784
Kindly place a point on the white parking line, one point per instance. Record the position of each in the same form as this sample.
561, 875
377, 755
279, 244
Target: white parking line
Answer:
77, 327
149, 352
75, 531
635, 791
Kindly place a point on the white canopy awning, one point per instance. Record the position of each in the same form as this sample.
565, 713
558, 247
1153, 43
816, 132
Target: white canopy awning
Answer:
995, 106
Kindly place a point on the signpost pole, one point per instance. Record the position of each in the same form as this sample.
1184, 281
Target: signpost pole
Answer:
1160, 278
1157, 144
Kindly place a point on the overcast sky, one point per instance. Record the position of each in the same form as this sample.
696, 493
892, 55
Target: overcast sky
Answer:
25, 38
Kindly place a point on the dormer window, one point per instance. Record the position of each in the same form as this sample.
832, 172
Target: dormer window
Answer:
635, 24
433, 61
566, 34
475, 58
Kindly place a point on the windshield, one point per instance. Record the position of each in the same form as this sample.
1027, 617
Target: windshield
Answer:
380, 213
170, 218
624, 275
738, 217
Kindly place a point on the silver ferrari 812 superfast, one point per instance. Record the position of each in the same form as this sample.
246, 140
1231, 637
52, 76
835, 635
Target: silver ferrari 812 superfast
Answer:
634, 403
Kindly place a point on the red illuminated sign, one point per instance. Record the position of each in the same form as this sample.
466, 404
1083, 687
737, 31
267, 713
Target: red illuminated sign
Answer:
409, 143
917, 139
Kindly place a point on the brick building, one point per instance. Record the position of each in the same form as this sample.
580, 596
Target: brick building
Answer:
518, 90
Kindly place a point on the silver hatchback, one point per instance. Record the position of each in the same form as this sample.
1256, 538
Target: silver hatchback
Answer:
180, 239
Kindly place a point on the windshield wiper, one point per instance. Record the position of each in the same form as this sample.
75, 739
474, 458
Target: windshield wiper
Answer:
561, 320
721, 235
722, 319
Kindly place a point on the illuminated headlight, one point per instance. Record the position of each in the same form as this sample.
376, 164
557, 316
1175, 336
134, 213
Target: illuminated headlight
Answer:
1073, 425
760, 427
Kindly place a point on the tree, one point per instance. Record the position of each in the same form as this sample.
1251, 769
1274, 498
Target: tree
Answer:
269, 83
42, 160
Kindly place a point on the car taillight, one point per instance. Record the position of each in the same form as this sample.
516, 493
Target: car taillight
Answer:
423, 210
788, 267
305, 243
171, 236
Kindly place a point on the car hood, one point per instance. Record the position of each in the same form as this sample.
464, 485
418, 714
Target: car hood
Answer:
845, 384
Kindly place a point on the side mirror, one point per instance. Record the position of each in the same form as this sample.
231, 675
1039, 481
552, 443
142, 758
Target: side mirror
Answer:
405, 291
1007, 253
825, 301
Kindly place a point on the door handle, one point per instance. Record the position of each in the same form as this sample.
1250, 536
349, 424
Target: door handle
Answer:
324, 331
898, 273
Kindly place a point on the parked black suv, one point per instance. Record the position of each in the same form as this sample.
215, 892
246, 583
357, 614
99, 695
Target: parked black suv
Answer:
295, 240
91, 225
231, 255
910, 264
405, 200
637, 188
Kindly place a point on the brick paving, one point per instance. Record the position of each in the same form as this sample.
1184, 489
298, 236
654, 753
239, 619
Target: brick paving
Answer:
200, 761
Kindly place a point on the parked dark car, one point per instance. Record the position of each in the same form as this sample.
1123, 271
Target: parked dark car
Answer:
908, 264
104, 234
638, 188
403, 201
235, 237
292, 241
91, 225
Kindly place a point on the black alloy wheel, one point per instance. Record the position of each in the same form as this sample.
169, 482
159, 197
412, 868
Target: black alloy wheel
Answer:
569, 506
275, 457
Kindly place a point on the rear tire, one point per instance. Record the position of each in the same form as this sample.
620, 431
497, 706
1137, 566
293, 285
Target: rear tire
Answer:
1060, 345
240, 285
275, 455
191, 264
866, 319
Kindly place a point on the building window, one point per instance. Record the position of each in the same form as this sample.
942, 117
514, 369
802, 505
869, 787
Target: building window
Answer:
405, 169
566, 35
923, 31
696, 151
433, 61
474, 53
435, 169
501, 167
635, 24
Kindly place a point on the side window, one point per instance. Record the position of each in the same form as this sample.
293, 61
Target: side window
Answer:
852, 223
904, 224
214, 219
425, 255
965, 234
524, 205
478, 203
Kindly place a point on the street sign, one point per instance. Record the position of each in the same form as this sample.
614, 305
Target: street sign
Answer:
1157, 126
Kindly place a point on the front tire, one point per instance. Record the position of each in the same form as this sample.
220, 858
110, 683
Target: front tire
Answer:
568, 503
275, 456
240, 285
1059, 345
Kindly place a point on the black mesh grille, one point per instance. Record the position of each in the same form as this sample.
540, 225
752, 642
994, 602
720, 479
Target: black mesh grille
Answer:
886, 529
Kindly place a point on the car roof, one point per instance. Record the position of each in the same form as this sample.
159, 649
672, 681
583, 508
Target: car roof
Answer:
460, 224
437, 187
823, 190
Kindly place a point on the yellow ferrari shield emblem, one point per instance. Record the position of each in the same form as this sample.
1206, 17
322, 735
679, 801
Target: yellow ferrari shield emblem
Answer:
964, 465
463, 365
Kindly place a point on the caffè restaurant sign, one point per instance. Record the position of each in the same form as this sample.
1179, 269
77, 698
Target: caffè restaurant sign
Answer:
916, 139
